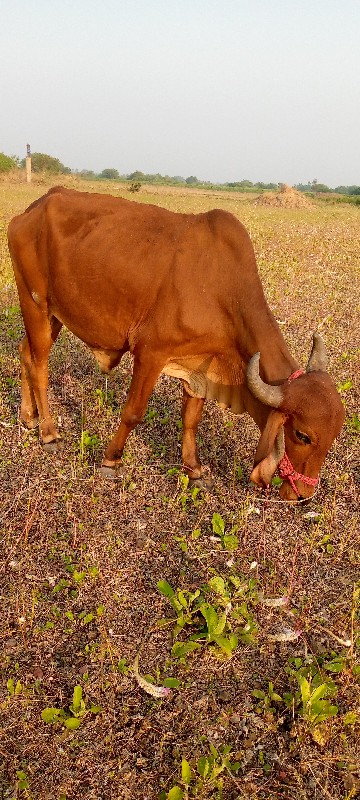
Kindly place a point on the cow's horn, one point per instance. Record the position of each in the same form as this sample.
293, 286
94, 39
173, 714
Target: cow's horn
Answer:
270, 395
318, 358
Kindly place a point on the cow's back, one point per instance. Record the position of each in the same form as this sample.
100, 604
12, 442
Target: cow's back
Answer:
113, 270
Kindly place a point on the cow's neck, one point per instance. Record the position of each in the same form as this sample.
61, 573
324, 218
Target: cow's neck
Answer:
276, 365
276, 361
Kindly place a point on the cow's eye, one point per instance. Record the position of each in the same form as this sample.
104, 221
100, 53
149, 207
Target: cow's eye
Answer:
303, 437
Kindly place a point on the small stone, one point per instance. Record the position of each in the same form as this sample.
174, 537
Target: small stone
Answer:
38, 673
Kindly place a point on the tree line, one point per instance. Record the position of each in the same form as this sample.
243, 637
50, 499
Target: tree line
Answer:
41, 162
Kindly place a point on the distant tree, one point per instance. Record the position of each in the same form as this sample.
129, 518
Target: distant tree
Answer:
7, 163
304, 187
261, 185
191, 180
41, 162
136, 176
347, 190
240, 185
110, 174
321, 187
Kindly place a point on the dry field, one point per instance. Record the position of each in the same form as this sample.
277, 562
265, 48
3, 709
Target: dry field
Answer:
248, 716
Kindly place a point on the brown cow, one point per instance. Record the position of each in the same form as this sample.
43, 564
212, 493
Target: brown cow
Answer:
182, 293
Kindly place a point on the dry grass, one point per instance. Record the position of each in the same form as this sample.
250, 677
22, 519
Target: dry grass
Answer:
75, 546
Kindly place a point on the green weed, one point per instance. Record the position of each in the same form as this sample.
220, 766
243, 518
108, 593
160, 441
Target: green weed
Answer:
205, 776
13, 688
188, 495
89, 444
77, 709
222, 622
229, 541
315, 706
353, 423
267, 699
22, 782
105, 398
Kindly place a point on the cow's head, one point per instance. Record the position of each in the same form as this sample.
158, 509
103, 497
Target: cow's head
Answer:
306, 415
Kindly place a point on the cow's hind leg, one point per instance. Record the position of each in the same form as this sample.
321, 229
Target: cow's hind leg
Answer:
191, 411
144, 377
28, 410
34, 353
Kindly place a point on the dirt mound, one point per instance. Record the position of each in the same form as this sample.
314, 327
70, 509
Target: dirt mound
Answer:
288, 197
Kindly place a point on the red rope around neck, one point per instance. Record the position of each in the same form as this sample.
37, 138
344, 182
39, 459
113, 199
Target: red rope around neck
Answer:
295, 375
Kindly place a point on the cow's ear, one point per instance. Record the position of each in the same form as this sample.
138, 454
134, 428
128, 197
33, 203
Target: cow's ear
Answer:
270, 449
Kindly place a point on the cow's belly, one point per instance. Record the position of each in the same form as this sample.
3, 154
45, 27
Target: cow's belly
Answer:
205, 378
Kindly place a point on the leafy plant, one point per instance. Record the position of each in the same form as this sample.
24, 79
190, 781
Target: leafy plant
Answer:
216, 626
77, 709
88, 443
315, 706
204, 777
320, 539
267, 699
188, 495
123, 667
234, 595
223, 607
344, 387
312, 698
22, 780
313, 669
353, 423
13, 688
185, 604
105, 397
228, 540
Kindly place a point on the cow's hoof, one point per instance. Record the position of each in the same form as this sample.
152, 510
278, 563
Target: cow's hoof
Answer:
204, 484
110, 473
53, 447
29, 423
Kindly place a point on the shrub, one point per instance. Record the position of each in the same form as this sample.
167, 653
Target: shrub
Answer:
41, 162
7, 163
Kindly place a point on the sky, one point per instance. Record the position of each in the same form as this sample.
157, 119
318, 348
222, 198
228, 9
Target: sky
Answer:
226, 90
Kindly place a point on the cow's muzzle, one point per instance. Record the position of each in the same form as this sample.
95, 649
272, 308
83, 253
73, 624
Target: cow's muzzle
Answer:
288, 473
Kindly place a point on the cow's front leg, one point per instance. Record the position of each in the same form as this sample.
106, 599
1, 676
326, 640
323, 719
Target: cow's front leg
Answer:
143, 381
191, 412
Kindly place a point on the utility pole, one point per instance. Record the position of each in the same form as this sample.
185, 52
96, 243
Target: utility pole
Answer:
28, 164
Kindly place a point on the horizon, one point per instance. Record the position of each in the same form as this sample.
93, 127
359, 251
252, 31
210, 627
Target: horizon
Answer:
180, 178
